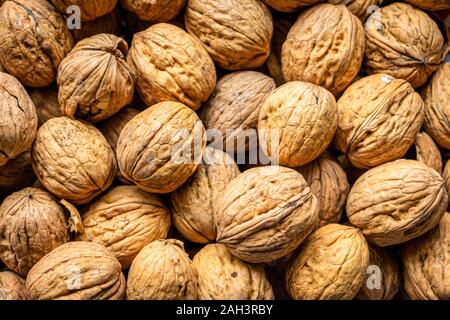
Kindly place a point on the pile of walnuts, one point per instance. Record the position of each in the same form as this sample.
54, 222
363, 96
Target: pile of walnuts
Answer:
209, 149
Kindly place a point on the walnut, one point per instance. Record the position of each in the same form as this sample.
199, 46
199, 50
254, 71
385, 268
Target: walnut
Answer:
18, 119
162, 271
379, 119
77, 270
330, 265
426, 263
430, 4
222, 276
32, 223
73, 160
281, 29
296, 123
427, 152
161, 147
89, 9
109, 23
12, 286
46, 103
265, 213
397, 201
193, 204
234, 107
289, 5
446, 176
33, 41
16, 173
360, 8
124, 220
154, 10
404, 42
325, 46
236, 33
171, 65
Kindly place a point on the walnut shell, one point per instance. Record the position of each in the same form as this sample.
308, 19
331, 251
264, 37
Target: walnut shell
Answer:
427, 152
234, 107
124, 220
18, 119
33, 41
382, 278
94, 79
436, 96
289, 5
193, 205
297, 123
404, 42
46, 102
360, 8
162, 271
325, 46
330, 265
397, 201
222, 276
89, 9
281, 29
171, 65
32, 223
161, 147
16, 173
446, 176
73, 160
110, 23
154, 10
426, 262
430, 4
12, 286
379, 119
77, 270
236, 33
265, 213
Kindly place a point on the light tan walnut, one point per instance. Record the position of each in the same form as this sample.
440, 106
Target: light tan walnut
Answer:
12, 286
427, 152
89, 9
154, 10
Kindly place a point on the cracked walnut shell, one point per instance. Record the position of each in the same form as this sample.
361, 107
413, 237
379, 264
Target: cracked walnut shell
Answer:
12, 286
430, 4
397, 201
89, 9
154, 10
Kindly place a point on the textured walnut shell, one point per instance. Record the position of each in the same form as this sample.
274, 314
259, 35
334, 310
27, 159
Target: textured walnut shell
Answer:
427, 152
124, 220
162, 271
18, 119
265, 213
383, 264
89, 9
325, 46
33, 41
234, 107
236, 33
110, 23
426, 262
446, 176
330, 266
281, 29
289, 5
193, 205
436, 96
171, 65
397, 201
77, 270
430, 4
379, 119
46, 102
222, 276
94, 79
404, 42
161, 147
16, 173
32, 223
154, 10
73, 160
329, 184
297, 123
360, 8
12, 286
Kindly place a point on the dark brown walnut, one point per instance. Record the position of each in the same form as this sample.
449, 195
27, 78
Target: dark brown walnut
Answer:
430, 4
162, 271
32, 223
404, 42
89, 9
46, 103
222, 276
232, 110
94, 79
171, 65
265, 213
16, 173
297, 123
325, 46
77, 270
124, 220
281, 29
12, 286
379, 119
329, 184
33, 41
110, 24
236, 33
18, 119
73, 160
382, 278
427, 152
161, 147
360, 8
289, 5
330, 266
193, 204
154, 10
397, 201
436, 96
